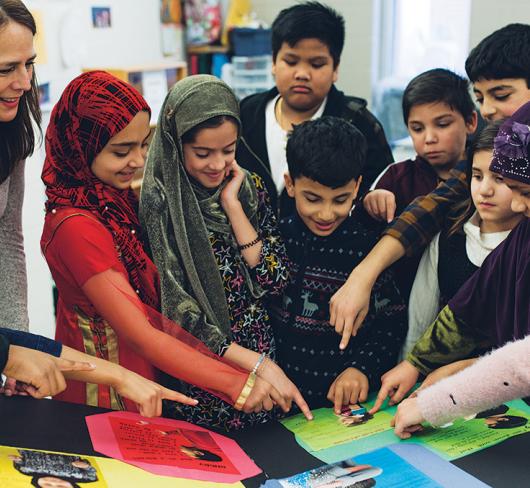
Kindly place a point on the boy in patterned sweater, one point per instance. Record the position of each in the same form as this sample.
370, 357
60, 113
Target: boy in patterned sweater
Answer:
324, 242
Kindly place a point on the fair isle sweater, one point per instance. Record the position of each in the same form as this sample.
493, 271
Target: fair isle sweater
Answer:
307, 346
13, 285
496, 378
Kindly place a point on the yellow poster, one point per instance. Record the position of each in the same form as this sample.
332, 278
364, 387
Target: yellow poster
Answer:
40, 40
27, 467
19, 468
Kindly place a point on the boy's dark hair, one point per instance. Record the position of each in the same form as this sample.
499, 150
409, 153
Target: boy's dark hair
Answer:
328, 150
462, 211
309, 20
439, 86
503, 54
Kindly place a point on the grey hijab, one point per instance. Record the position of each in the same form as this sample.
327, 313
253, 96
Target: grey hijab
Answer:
178, 213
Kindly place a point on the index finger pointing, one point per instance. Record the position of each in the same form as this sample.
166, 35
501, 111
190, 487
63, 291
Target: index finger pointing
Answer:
390, 209
346, 333
302, 405
381, 397
178, 397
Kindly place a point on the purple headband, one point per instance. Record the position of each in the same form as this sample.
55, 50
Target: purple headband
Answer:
512, 147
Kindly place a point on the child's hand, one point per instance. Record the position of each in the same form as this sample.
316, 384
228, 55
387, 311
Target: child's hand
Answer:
408, 418
380, 205
445, 371
349, 305
351, 386
235, 175
263, 397
395, 384
272, 373
147, 394
42, 373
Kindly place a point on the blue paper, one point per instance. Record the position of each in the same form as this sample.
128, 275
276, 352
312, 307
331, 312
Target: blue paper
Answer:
396, 466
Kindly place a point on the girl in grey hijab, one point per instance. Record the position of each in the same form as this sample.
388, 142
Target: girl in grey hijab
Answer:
214, 239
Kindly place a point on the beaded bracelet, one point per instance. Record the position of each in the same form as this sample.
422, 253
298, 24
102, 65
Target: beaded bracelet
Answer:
249, 244
259, 362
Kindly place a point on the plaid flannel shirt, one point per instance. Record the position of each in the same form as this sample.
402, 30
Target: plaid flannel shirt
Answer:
424, 217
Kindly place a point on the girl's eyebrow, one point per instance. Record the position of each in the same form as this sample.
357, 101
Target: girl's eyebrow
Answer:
209, 148
131, 143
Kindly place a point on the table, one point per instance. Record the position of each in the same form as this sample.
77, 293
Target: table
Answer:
58, 426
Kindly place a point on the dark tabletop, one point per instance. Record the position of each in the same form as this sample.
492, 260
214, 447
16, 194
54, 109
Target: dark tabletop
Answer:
57, 426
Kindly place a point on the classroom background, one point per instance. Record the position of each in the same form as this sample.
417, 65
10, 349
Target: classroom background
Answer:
146, 41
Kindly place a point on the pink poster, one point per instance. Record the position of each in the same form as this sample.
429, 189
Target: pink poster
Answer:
170, 447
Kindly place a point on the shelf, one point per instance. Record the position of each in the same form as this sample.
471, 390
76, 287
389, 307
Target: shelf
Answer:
207, 49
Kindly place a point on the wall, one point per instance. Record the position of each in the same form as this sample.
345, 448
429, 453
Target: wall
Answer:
71, 44
355, 70
490, 15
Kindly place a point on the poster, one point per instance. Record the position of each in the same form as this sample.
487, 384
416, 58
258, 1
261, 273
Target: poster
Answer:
154, 90
170, 447
170, 12
110, 472
327, 430
101, 18
461, 438
464, 437
28, 467
396, 466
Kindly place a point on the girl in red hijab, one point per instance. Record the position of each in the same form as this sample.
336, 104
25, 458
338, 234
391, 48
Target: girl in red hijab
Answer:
93, 243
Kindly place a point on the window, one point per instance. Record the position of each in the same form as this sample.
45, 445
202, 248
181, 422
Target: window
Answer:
414, 36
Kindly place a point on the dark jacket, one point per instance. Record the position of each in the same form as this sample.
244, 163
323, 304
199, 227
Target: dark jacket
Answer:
25, 339
407, 180
252, 152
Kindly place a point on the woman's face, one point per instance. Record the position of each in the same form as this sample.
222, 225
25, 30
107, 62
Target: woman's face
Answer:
124, 154
207, 158
53, 482
17, 56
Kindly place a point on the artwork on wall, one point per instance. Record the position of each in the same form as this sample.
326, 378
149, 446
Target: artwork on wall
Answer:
44, 97
170, 12
101, 17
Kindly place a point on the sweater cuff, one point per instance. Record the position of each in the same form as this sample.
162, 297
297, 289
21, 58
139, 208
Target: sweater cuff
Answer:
437, 405
4, 352
32, 341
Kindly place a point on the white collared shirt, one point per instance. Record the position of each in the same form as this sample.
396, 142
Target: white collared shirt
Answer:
276, 139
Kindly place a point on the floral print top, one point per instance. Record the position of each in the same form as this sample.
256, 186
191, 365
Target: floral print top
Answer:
246, 290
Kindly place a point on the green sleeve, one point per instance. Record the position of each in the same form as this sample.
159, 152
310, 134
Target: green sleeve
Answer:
448, 339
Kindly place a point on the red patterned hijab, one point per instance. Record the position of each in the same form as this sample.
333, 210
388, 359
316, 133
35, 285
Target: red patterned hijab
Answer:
93, 108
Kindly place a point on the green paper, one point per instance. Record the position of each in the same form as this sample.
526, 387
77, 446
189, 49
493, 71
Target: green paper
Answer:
325, 430
460, 439
467, 436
